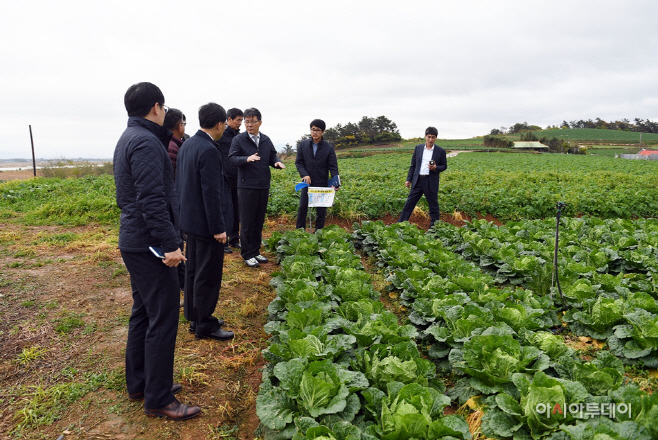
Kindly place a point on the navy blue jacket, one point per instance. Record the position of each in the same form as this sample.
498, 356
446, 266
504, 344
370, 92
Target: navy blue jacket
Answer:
439, 156
318, 166
200, 183
224, 146
144, 180
256, 174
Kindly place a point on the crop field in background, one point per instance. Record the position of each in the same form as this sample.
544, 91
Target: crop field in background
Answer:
595, 135
367, 332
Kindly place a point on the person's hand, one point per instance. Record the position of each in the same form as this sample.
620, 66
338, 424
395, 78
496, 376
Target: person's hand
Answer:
306, 179
173, 259
407, 184
432, 167
220, 237
335, 189
280, 165
254, 157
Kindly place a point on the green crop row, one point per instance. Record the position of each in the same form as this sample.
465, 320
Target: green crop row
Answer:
501, 345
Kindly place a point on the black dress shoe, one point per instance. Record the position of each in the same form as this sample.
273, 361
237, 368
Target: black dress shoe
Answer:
192, 327
227, 250
220, 335
174, 411
235, 246
134, 397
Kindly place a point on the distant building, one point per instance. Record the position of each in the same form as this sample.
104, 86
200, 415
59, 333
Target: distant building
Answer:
645, 152
530, 145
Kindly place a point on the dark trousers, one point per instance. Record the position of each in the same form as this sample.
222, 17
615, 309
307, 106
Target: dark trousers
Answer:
302, 212
234, 232
203, 279
253, 204
422, 187
152, 328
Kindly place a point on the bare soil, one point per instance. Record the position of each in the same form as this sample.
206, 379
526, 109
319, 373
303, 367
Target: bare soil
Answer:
47, 278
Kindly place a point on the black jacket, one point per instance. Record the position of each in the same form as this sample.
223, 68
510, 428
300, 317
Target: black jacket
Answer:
318, 166
224, 146
200, 183
439, 156
253, 175
144, 180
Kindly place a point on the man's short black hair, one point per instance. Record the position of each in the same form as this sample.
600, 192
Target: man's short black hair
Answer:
318, 123
233, 113
251, 112
141, 97
431, 130
173, 118
211, 114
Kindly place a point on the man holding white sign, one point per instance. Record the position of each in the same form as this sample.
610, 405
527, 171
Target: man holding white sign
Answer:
316, 158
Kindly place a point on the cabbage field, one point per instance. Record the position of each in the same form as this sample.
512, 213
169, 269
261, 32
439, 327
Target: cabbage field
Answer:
482, 330
509, 186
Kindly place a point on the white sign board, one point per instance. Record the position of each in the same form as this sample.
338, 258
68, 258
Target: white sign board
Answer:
320, 197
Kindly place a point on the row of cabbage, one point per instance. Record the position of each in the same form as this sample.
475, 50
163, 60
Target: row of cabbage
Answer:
608, 270
340, 365
499, 344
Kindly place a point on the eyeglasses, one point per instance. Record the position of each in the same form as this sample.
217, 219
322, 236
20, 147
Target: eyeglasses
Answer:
251, 122
183, 122
317, 130
165, 108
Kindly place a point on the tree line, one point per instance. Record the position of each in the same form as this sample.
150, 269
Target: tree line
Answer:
367, 131
638, 125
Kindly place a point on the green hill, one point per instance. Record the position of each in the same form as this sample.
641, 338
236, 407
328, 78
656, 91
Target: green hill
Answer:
595, 135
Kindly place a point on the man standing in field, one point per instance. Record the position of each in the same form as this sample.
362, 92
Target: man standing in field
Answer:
145, 193
423, 178
253, 153
315, 159
233, 124
200, 184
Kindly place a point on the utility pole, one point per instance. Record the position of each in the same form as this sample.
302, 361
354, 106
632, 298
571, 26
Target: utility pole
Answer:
34, 161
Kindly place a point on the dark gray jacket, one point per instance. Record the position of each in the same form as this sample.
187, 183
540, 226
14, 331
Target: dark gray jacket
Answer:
253, 175
224, 146
439, 156
199, 181
144, 180
319, 166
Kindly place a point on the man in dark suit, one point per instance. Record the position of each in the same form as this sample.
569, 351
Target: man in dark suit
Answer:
253, 153
233, 124
199, 184
146, 195
423, 178
315, 159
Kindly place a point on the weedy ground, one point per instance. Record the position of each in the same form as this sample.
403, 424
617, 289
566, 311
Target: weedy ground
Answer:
65, 301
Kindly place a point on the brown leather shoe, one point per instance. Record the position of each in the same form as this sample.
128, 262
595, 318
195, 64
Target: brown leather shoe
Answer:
134, 397
174, 411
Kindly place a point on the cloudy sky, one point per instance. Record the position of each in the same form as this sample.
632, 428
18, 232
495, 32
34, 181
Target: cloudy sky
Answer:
463, 66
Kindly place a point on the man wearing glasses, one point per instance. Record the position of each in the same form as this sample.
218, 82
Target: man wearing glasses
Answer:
315, 159
253, 153
145, 194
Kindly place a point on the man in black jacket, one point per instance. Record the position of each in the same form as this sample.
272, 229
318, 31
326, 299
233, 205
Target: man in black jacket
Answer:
199, 183
315, 159
423, 178
149, 217
235, 117
253, 153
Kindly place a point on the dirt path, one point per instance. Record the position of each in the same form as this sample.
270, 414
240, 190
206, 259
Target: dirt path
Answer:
454, 153
64, 306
